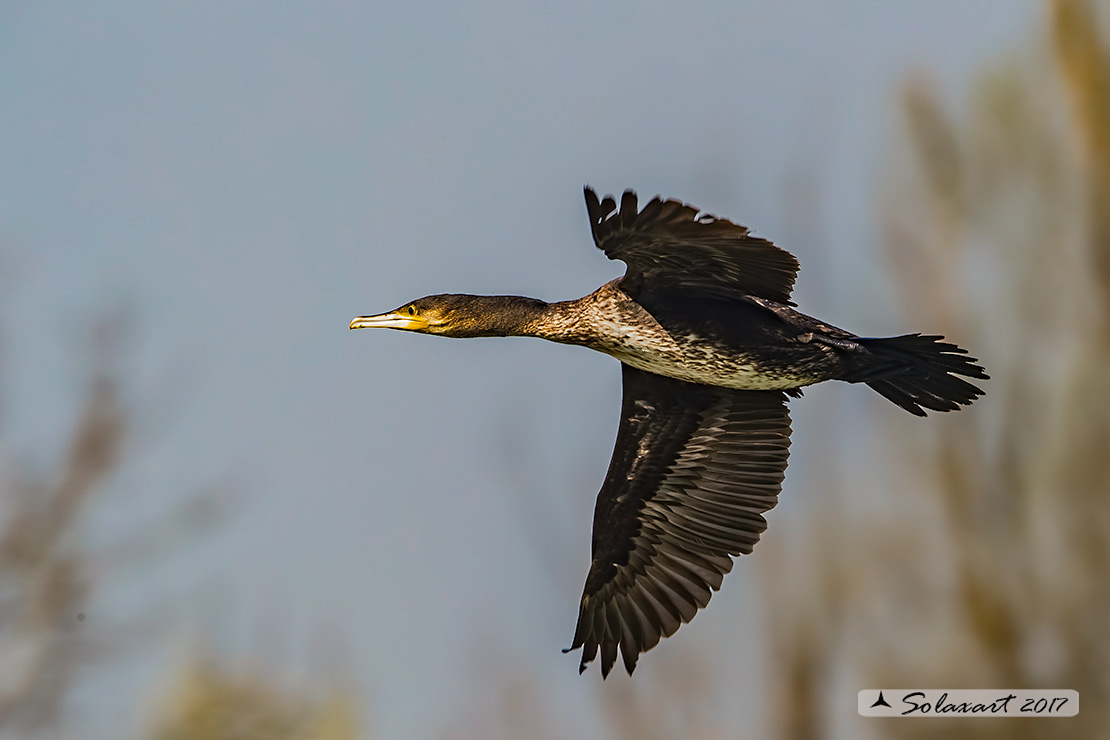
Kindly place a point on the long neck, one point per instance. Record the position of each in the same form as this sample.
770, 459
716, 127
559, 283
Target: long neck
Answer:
500, 316
587, 321
598, 321
580, 321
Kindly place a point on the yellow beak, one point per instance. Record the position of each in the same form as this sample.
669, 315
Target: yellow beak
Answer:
391, 320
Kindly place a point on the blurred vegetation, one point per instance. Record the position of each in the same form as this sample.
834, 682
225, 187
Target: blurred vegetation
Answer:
212, 702
991, 570
45, 577
54, 634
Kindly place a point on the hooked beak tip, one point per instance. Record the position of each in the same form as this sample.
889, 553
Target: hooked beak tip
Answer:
365, 322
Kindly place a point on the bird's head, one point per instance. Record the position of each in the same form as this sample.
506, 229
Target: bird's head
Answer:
454, 315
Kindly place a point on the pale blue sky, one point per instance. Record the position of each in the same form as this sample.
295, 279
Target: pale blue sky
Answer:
248, 176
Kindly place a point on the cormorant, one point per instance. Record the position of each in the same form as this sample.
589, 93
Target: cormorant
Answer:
710, 347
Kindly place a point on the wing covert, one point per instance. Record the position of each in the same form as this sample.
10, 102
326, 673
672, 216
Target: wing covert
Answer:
693, 470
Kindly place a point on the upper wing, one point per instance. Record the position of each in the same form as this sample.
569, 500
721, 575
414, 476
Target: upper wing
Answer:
693, 471
669, 245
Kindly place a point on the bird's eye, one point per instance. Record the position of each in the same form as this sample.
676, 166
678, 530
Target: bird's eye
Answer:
412, 310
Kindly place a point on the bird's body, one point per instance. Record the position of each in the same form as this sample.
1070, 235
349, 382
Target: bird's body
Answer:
682, 337
710, 347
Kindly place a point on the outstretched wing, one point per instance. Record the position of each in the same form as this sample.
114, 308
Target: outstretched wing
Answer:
693, 471
670, 244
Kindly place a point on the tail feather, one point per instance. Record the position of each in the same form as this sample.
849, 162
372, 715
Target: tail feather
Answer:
918, 372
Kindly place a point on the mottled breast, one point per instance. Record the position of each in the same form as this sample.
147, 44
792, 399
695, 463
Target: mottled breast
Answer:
609, 321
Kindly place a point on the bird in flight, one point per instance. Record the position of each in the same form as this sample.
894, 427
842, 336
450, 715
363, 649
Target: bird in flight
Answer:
710, 347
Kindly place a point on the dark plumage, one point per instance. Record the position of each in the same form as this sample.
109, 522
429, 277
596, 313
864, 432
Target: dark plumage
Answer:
710, 346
